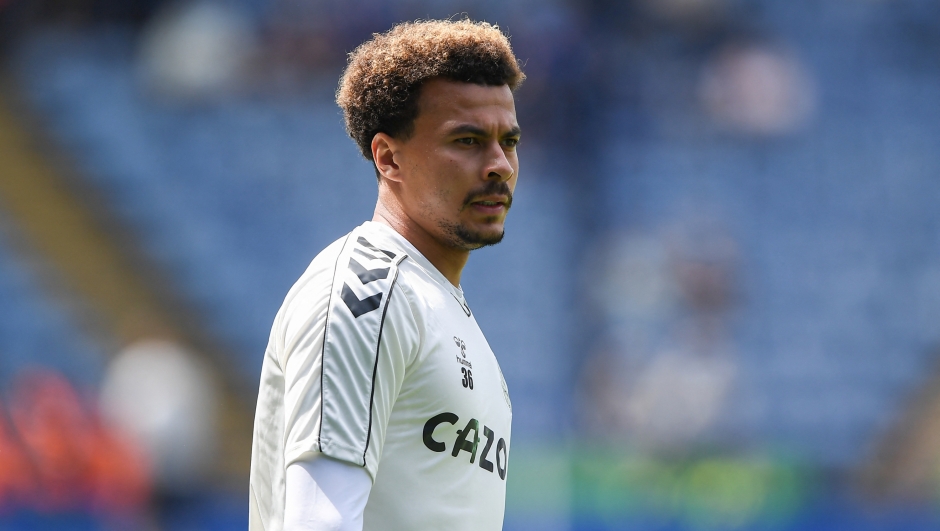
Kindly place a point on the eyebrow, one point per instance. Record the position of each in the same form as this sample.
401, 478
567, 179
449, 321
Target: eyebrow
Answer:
474, 130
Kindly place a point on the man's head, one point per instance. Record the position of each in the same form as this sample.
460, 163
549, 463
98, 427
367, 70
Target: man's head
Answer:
431, 104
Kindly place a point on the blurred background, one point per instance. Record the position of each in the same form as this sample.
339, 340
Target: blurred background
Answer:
717, 305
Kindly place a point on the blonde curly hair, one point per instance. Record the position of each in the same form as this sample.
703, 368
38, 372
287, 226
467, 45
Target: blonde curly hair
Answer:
379, 89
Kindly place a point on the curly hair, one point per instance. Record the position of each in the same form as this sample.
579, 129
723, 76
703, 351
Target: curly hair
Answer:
379, 90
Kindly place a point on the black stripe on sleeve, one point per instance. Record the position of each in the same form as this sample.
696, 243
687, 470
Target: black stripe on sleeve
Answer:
375, 368
326, 331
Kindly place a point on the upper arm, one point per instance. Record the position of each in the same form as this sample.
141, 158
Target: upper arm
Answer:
346, 362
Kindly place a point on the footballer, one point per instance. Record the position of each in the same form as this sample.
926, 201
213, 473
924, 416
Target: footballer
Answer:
381, 405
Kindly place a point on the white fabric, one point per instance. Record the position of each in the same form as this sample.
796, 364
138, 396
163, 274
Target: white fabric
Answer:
324, 494
375, 359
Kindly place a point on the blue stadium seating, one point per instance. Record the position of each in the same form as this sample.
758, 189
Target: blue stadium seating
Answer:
37, 330
836, 226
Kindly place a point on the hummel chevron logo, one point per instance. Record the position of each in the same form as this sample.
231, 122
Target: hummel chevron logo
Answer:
359, 307
363, 306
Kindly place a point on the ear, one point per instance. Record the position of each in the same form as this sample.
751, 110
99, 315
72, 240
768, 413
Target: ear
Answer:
384, 149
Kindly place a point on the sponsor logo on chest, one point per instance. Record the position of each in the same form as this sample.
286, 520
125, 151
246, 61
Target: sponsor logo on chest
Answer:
468, 440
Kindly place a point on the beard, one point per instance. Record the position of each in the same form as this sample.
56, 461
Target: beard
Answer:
464, 237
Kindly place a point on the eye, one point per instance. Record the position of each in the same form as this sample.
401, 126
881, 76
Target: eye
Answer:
511, 142
467, 141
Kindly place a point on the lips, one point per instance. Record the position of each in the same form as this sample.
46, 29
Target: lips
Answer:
494, 198
490, 204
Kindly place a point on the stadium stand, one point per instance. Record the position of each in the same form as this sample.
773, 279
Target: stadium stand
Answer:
835, 231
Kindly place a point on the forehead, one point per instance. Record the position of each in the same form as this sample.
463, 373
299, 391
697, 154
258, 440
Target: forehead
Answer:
443, 101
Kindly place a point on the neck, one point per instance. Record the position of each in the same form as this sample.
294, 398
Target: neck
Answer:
450, 261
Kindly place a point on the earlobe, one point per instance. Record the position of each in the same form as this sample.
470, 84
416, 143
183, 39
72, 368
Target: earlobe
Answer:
383, 153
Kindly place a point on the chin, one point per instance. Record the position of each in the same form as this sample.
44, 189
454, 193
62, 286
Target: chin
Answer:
482, 238
471, 238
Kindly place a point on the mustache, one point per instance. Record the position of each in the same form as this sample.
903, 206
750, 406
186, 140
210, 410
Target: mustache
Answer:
491, 188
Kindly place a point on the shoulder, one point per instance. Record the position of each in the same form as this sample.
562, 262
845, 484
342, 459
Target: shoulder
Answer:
376, 258
347, 268
369, 304
355, 285
366, 274
315, 281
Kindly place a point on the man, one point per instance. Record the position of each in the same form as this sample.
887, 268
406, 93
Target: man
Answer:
381, 405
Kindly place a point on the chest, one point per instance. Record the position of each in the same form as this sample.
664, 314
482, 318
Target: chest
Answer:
455, 394
456, 369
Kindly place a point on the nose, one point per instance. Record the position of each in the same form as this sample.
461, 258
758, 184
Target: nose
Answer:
499, 167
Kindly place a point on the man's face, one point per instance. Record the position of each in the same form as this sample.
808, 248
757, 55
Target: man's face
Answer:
459, 167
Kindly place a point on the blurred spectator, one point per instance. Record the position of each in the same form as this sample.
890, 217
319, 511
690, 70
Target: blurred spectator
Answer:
79, 463
162, 396
677, 398
757, 89
198, 49
661, 379
50, 419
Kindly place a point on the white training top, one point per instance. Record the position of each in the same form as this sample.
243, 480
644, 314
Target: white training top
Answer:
375, 359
